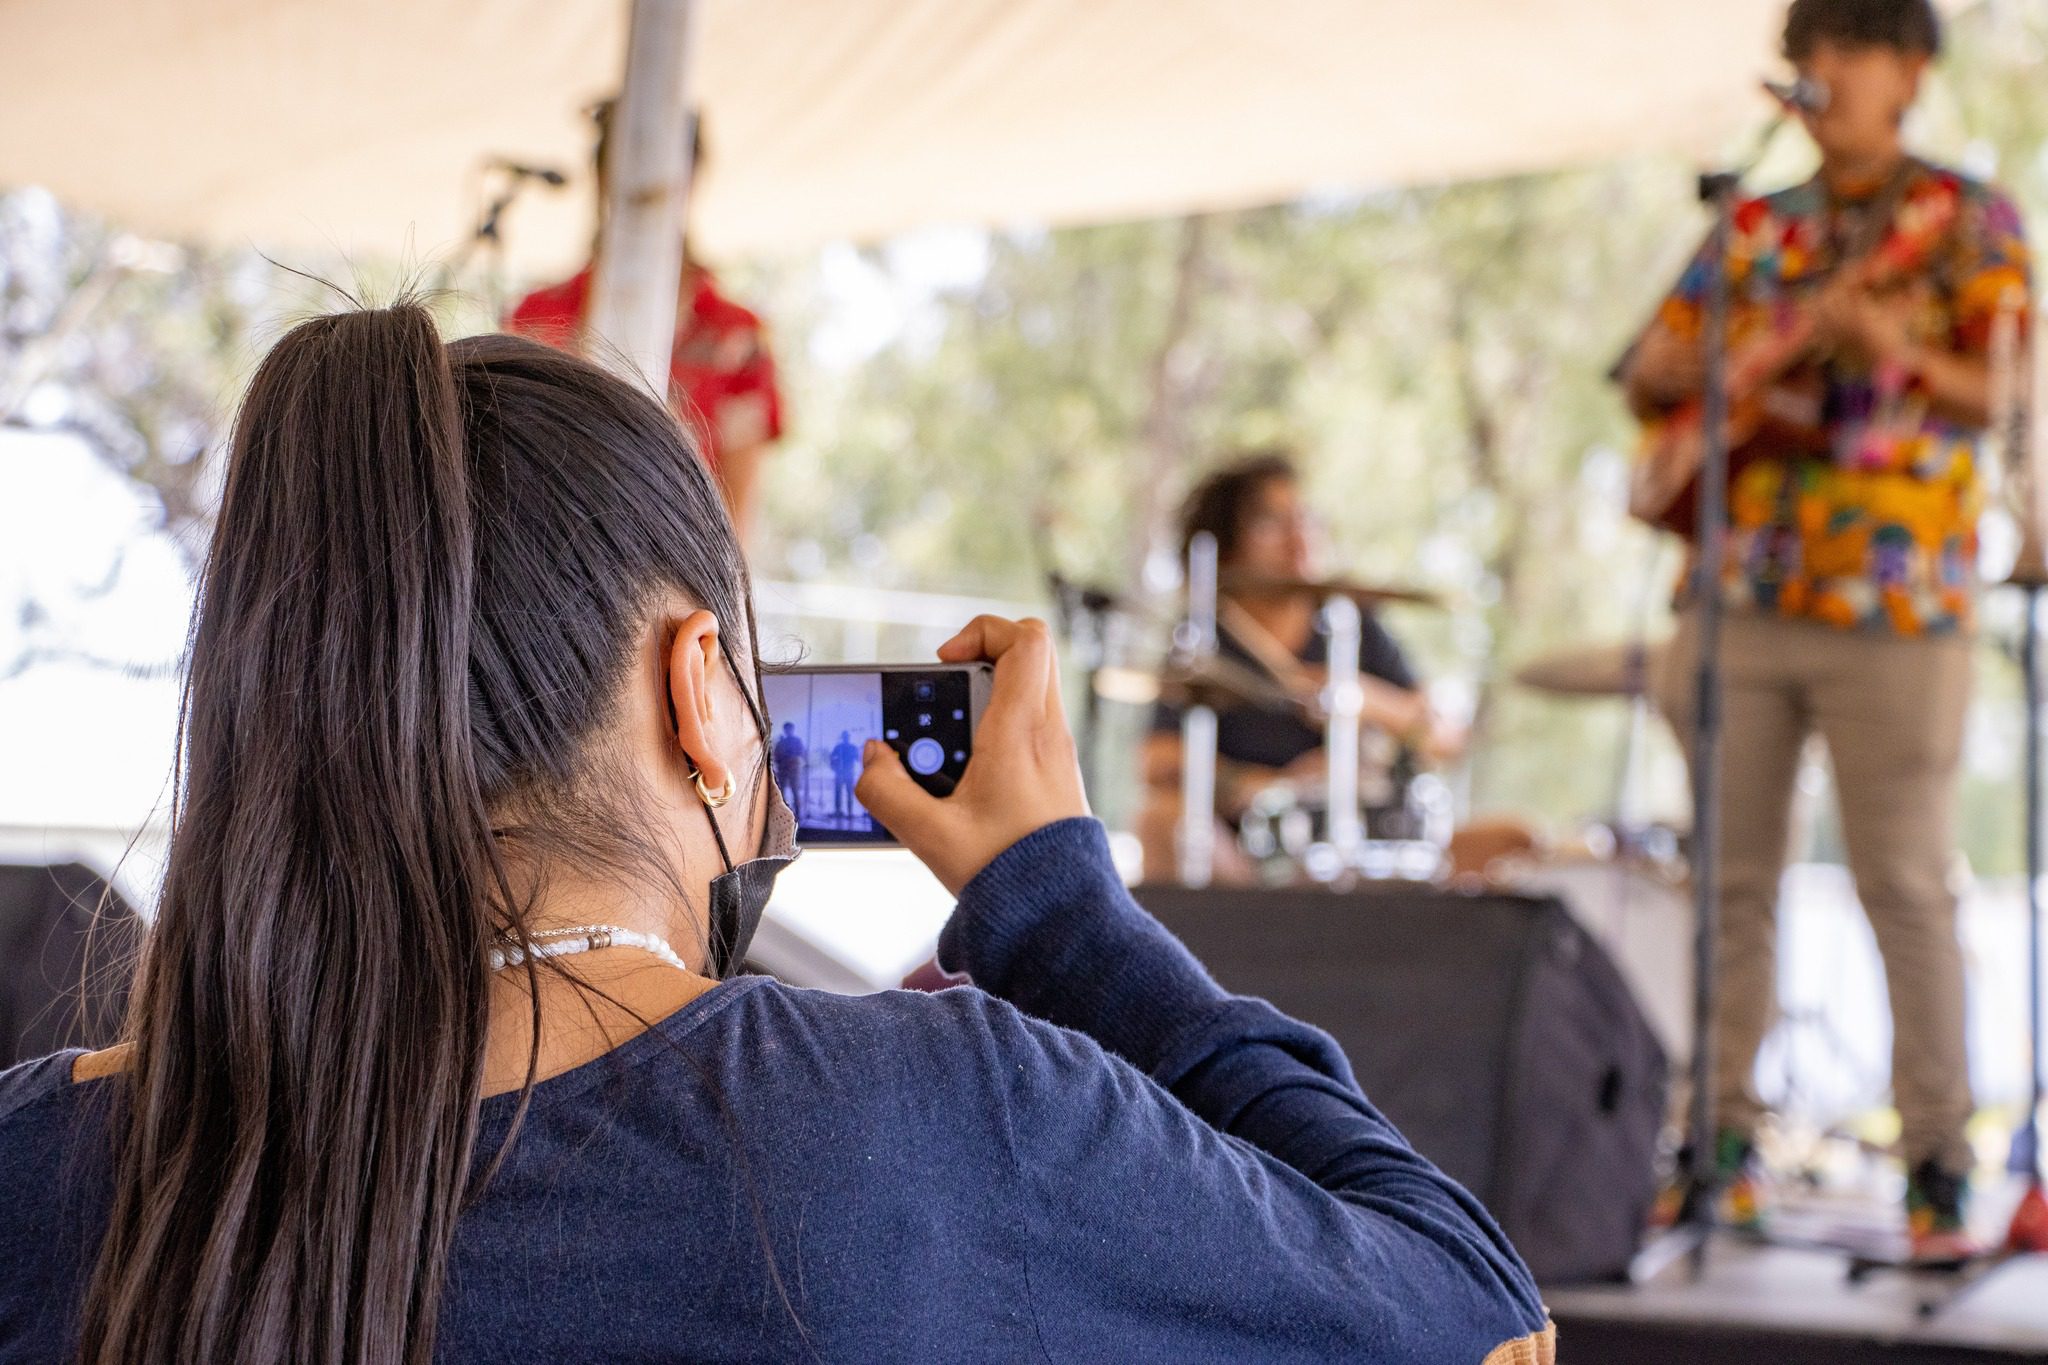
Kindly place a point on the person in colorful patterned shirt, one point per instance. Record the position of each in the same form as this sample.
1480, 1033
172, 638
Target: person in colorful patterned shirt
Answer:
1852, 560
721, 370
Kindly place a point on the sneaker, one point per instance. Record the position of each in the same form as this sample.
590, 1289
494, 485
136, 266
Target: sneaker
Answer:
1935, 1200
1739, 1178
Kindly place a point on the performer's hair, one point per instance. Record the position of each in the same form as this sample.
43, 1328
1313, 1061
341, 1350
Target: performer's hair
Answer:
1911, 26
1219, 502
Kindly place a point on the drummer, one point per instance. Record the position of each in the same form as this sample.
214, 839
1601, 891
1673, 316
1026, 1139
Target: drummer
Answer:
1264, 530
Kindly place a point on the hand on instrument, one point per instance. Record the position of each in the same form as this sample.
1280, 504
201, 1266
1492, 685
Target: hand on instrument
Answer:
1024, 774
1848, 314
1666, 368
1883, 326
1407, 715
1441, 739
1835, 311
1306, 775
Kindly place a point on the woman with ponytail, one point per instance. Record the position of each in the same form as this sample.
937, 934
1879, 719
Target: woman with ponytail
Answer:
438, 1048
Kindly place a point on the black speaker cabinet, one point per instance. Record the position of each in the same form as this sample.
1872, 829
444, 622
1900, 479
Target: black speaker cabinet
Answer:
1491, 1029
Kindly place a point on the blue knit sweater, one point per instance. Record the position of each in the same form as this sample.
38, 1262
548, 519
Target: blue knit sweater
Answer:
1098, 1155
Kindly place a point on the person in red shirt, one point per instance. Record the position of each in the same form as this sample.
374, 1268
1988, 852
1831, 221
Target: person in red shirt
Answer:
721, 371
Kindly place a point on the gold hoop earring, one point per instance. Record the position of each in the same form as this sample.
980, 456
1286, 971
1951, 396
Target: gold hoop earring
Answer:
713, 799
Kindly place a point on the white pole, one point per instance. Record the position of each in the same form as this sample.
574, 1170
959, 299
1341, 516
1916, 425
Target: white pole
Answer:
1197, 845
640, 250
1343, 703
1197, 841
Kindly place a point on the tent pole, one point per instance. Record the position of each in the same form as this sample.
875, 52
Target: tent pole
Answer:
640, 247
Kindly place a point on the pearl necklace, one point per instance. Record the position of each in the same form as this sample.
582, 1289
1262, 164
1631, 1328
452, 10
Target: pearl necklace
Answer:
582, 938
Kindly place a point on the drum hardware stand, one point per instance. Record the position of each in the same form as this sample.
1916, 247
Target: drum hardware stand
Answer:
1196, 639
1687, 1237
1343, 703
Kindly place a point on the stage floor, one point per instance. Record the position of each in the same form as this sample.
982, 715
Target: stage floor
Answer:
1785, 1306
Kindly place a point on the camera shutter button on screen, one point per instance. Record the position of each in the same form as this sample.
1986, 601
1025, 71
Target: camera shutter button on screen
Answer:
927, 756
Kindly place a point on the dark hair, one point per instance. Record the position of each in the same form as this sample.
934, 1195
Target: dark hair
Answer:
1910, 26
429, 567
1220, 503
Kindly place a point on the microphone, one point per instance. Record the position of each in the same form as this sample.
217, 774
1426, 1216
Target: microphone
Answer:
547, 175
1802, 96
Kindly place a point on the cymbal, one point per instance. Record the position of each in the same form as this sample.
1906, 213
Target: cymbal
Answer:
1365, 594
1215, 681
1619, 668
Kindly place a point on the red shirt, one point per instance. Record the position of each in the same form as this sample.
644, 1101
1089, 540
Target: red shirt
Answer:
721, 352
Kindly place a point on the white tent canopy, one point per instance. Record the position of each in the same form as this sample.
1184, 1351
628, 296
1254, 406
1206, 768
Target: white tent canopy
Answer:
365, 124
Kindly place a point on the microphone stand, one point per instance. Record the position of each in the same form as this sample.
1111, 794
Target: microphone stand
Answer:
1720, 191
488, 237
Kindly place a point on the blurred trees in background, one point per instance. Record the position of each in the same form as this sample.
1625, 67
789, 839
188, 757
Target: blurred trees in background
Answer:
133, 345
1436, 356
128, 345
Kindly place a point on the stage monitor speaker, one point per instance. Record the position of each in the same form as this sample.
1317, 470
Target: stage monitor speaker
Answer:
1491, 1029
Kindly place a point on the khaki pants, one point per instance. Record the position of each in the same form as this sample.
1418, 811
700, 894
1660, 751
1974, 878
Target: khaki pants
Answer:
1891, 712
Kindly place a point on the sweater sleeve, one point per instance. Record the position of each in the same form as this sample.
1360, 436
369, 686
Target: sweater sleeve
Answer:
1202, 1170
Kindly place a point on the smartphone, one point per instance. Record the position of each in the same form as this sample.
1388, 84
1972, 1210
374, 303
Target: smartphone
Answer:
821, 715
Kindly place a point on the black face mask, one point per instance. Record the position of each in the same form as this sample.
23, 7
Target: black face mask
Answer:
740, 894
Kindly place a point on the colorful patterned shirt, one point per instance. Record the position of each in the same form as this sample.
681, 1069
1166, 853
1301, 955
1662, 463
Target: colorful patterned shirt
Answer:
1874, 524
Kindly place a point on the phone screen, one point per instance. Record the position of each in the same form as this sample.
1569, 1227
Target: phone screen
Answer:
822, 718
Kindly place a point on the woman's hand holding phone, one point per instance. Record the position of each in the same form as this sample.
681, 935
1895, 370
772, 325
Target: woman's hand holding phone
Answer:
1024, 774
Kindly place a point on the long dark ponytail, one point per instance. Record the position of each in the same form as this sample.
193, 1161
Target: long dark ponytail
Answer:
427, 567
